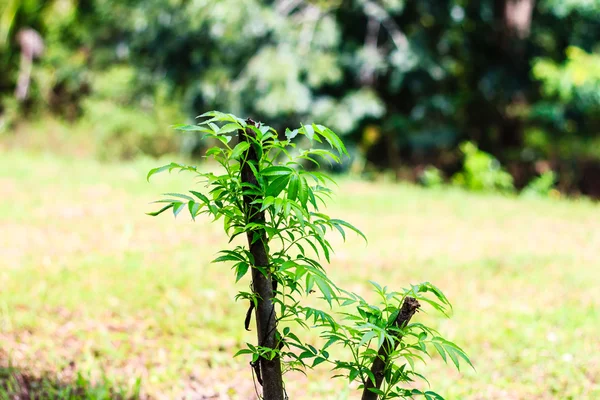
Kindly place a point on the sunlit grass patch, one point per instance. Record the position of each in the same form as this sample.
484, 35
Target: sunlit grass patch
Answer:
87, 279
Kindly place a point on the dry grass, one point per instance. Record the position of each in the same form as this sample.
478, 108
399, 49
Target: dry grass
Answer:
89, 283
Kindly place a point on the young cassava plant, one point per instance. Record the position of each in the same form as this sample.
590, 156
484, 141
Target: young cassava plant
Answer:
264, 193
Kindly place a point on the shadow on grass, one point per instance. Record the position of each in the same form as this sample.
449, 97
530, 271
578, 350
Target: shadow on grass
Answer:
16, 384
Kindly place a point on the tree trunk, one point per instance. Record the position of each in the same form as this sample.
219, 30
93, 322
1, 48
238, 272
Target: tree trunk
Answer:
268, 371
409, 307
513, 19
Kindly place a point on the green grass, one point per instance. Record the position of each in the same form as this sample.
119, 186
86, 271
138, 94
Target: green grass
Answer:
14, 384
90, 284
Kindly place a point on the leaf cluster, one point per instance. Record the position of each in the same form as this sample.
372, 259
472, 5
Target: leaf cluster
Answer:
296, 231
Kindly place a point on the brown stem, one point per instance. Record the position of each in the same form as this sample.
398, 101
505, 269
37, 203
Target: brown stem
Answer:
270, 370
409, 307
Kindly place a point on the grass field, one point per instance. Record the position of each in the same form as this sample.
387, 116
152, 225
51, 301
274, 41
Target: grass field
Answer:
90, 285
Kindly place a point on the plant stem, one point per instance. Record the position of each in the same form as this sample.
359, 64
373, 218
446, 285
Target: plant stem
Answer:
409, 307
262, 284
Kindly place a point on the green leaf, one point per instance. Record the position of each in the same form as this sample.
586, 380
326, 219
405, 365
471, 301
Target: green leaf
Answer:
177, 207
310, 282
340, 230
377, 286
453, 350
227, 128
333, 140
157, 170
441, 351
241, 270
309, 131
277, 170
155, 213
324, 245
181, 196
453, 357
349, 226
292, 190
429, 287
239, 149
318, 361
193, 207
266, 202
243, 351
290, 134
213, 150
303, 191
277, 185
410, 360
190, 128
278, 203
377, 391
225, 258
229, 256
313, 201
430, 395
200, 196
223, 139
370, 375
325, 289
367, 337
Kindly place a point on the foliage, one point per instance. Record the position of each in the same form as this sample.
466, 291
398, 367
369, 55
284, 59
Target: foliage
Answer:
541, 186
122, 130
10, 114
429, 75
143, 288
15, 385
578, 79
60, 76
481, 171
296, 240
431, 177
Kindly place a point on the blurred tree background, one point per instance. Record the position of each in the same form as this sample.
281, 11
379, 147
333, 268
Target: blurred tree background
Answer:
407, 82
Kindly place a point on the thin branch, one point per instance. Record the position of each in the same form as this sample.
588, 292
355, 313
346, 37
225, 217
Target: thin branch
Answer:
381, 362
